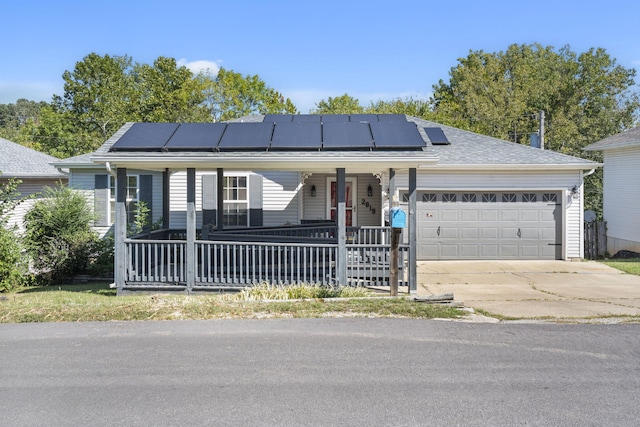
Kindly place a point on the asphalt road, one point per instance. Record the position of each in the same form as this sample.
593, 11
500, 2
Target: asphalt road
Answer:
329, 372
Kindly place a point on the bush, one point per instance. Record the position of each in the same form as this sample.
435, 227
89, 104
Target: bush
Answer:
13, 270
58, 233
102, 256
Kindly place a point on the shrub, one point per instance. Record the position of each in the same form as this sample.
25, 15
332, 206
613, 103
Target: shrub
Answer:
13, 271
58, 233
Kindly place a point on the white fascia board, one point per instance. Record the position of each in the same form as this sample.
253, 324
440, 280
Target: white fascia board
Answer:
517, 167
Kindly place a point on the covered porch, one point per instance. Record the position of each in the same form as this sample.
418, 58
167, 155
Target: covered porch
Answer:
209, 255
216, 257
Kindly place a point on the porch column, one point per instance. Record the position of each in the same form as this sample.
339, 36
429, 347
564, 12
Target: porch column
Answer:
392, 190
191, 229
120, 249
220, 199
413, 223
341, 218
166, 196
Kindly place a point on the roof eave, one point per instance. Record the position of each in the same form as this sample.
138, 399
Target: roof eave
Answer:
517, 167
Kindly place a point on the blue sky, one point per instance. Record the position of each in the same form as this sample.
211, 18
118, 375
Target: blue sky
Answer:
309, 51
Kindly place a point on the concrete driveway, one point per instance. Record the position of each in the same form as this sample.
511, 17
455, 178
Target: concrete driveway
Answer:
561, 290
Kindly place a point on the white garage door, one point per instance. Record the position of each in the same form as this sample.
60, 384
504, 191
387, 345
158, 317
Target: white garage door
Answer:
489, 225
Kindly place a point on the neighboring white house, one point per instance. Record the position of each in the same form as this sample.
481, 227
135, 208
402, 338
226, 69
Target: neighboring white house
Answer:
477, 197
32, 168
621, 186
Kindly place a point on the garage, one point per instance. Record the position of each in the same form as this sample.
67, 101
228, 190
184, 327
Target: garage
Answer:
489, 225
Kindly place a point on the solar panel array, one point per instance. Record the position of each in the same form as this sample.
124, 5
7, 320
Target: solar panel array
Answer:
280, 132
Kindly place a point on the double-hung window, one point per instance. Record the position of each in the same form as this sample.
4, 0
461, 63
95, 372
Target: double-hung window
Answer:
133, 196
236, 201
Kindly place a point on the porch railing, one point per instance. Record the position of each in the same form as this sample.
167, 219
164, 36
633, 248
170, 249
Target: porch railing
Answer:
249, 259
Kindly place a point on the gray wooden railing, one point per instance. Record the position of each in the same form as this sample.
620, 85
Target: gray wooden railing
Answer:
249, 259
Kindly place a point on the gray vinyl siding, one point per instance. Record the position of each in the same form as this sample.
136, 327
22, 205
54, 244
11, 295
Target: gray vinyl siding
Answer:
280, 198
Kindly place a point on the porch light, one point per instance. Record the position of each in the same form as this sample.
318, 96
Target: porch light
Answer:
313, 190
369, 191
575, 192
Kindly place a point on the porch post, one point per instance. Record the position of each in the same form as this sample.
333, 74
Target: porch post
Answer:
220, 199
392, 190
191, 229
120, 229
341, 217
413, 223
166, 196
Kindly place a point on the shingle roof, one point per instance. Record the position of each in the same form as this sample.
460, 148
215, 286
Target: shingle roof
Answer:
466, 150
469, 148
627, 138
19, 161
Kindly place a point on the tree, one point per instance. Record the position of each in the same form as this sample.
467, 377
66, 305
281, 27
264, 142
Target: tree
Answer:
12, 265
230, 95
13, 117
344, 104
99, 94
411, 107
586, 97
168, 93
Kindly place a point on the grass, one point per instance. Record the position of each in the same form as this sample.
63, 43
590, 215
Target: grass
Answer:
96, 302
630, 265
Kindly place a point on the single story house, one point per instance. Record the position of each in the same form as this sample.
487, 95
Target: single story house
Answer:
467, 196
35, 171
621, 202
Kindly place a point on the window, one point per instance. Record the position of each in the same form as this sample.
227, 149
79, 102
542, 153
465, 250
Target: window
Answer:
550, 197
529, 197
489, 198
449, 197
508, 198
429, 197
405, 197
469, 197
236, 201
133, 196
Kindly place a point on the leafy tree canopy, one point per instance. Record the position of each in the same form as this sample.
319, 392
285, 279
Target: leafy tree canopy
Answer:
344, 104
230, 95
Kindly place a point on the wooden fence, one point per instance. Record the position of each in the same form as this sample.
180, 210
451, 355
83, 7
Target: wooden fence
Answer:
595, 239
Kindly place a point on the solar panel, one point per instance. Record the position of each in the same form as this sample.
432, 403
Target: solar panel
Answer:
306, 118
246, 136
392, 118
277, 118
437, 136
297, 136
364, 117
346, 136
145, 137
396, 135
196, 137
327, 118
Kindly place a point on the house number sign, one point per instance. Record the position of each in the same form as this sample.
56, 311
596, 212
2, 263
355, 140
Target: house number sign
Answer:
368, 205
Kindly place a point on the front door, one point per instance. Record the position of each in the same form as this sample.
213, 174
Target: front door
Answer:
332, 202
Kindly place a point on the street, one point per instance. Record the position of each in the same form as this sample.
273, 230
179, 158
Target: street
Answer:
338, 372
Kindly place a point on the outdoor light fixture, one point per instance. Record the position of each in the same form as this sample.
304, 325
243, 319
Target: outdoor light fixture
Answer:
369, 191
313, 190
575, 192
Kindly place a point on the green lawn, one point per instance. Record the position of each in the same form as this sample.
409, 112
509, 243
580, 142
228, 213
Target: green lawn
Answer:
96, 302
630, 265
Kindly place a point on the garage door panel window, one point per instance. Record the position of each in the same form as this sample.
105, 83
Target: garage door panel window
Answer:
429, 197
489, 198
449, 198
509, 198
529, 197
550, 197
469, 197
